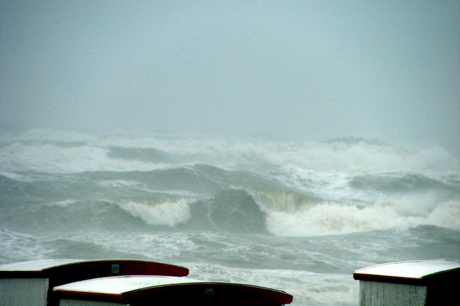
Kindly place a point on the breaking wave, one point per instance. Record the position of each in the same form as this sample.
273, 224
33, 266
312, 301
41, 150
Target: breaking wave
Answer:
337, 186
332, 218
166, 213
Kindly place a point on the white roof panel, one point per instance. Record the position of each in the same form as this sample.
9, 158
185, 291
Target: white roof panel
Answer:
410, 270
121, 284
38, 265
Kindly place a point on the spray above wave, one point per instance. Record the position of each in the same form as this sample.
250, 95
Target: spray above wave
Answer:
346, 203
55, 158
332, 218
167, 212
71, 152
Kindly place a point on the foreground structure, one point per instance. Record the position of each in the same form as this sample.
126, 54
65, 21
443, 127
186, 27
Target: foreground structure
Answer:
69, 282
161, 290
30, 283
416, 283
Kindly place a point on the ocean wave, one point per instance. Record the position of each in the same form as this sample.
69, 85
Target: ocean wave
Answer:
150, 155
446, 215
283, 200
168, 212
288, 188
71, 152
299, 216
52, 158
14, 176
208, 198
329, 218
403, 182
18, 246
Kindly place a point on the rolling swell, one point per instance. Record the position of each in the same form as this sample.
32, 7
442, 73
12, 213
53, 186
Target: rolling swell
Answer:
189, 197
199, 178
205, 197
152, 185
229, 210
151, 155
402, 182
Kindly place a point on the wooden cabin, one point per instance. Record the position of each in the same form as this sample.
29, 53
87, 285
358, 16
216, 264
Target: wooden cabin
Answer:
415, 283
164, 290
29, 283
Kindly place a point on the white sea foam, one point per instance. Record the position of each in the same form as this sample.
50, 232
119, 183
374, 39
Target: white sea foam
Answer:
18, 246
324, 184
166, 213
446, 215
329, 218
120, 183
47, 157
64, 203
89, 153
14, 176
333, 156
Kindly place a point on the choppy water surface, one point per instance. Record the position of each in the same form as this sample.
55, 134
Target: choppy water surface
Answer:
297, 216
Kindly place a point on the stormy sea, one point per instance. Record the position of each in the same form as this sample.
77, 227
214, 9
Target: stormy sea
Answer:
298, 216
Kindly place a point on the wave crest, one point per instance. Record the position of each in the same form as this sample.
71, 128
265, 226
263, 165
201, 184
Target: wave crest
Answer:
168, 213
329, 218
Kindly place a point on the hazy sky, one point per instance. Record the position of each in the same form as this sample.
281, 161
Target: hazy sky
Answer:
303, 69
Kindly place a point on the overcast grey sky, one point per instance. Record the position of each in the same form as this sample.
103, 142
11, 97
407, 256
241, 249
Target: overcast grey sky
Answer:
303, 69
